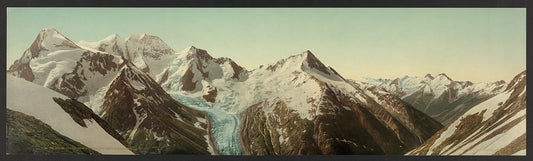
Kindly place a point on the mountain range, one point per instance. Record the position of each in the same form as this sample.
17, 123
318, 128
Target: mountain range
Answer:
440, 97
494, 127
159, 101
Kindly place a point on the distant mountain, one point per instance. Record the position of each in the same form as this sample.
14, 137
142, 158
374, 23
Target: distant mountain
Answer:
152, 122
148, 53
194, 72
496, 126
36, 101
439, 97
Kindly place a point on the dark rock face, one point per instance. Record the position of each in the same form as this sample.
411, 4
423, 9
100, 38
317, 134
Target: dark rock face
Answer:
344, 127
211, 95
151, 121
259, 135
186, 81
313, 62
21, 70
236, 68
164, 78
74, 84
27, 135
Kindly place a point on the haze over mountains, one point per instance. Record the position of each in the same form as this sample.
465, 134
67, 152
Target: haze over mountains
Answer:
165, 102
440, 97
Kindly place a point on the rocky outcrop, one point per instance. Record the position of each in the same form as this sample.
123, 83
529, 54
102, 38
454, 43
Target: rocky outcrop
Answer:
89, 69
150, 120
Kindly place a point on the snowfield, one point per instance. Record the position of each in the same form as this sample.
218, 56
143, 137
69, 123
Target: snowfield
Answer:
36, 101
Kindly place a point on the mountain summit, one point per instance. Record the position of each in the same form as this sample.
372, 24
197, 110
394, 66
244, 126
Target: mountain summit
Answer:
307, 108
46, 42
49, 40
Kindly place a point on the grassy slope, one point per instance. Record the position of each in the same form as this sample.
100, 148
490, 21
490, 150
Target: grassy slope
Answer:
28, 135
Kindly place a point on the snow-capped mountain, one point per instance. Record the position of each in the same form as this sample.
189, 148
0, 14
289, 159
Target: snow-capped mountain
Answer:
148, 53
43, 107
152, 122
195, 73
88, 74
300, 106
224, 91
55, 62
440, 97
496, 126
51, 43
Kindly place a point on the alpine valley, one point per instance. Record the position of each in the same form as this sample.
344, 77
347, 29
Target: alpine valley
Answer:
136, 95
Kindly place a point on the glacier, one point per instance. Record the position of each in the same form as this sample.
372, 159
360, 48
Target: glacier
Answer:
225, 124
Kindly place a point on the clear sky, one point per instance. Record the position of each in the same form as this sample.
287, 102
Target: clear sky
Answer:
478, 44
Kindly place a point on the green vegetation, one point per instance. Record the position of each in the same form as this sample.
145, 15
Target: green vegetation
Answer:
28, 135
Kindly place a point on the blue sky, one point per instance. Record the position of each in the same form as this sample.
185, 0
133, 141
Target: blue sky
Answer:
467, 44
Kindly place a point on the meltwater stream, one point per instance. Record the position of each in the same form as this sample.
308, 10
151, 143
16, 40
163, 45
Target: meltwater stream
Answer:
225, 126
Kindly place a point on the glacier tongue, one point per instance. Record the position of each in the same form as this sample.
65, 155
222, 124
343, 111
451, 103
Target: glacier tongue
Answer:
225, 125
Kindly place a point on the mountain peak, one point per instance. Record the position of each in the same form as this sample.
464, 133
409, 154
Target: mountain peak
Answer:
193, 52
442, 75
133, 78
50, 33
50, 39
313, 62
49, 30
307, 62
137, 36
307, 53
129, 67
517, 81
112, 37
305, 58
429, 76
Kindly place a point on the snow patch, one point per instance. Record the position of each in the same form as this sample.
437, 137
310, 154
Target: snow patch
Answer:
140, 118
42, 107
